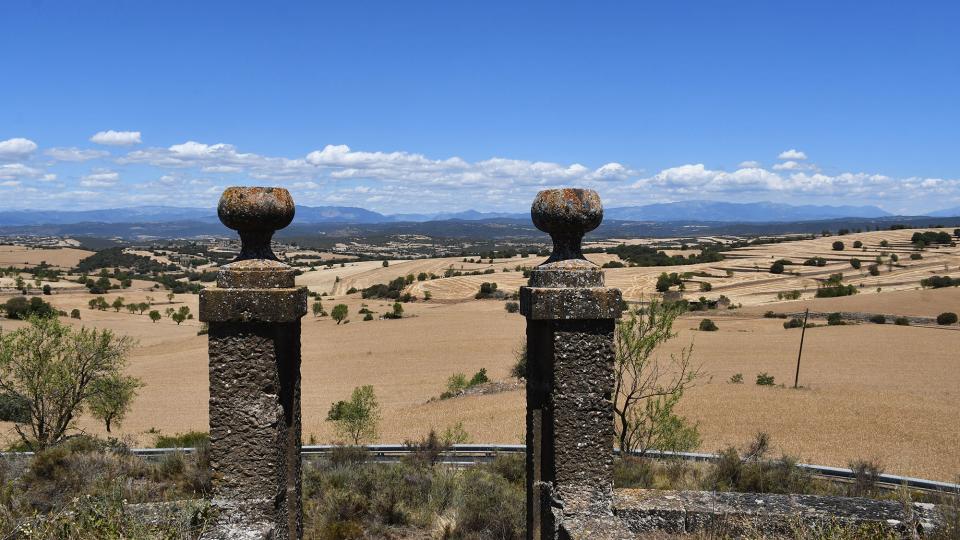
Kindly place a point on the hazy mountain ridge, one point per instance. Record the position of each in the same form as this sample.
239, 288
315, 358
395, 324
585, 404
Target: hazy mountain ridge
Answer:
946, 212
690, 211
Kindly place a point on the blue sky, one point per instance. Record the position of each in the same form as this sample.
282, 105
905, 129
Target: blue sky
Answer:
422, 106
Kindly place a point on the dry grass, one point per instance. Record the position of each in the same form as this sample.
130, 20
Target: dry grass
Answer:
26, 256
885, 392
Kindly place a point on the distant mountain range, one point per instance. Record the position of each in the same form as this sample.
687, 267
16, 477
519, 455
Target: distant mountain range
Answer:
946, 212
686, 211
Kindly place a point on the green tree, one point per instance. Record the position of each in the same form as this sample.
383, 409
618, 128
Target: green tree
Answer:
155, 315
648, 387
663, 283
56, 369
117, 303
358, 418
112, 397
339, 313
19, 307
75, 313
397, 310
838, 246
142, 306
178, 317
317, 308
947, 318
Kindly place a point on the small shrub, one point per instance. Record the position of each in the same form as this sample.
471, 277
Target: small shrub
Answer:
901, 321
707, 325
939, 282
190, 439
857, 244
368, 316
511, 307
833, 291
765, 379
947, 318
835, 319
838, 246
519, 369
456, 383
878, 319
855, 263
776, 267
866, 473
490, 508
736, 378
479, 377
75, 313
632, 472
915, 256
793, 323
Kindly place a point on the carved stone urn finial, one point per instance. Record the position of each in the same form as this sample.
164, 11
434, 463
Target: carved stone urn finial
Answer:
256, 213
566, 215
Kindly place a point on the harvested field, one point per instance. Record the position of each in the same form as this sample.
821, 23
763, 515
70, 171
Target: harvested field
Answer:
23, 256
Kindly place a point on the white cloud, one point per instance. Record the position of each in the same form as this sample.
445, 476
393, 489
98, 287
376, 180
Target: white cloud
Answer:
787, 166
341, 163
11, 171
392, 180
792, 154
16, 148
116, 138
75, 154
100, 179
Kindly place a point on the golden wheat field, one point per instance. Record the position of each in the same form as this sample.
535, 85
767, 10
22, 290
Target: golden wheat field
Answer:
868, 391
30, 256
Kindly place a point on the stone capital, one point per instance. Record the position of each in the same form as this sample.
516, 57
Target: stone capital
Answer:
253, 305
580, 303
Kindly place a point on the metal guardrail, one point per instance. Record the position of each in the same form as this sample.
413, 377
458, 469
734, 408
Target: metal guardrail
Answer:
471, 454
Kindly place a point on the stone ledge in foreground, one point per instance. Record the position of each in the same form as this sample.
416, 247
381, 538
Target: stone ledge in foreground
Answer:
765, 515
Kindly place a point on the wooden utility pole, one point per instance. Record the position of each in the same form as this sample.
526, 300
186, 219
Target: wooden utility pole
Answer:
803, 331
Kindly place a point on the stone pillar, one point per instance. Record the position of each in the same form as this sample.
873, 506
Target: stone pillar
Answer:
571, 319
254, 346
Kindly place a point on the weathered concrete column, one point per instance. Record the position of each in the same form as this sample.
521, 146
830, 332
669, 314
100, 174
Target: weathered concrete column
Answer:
254, 346
571, 318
